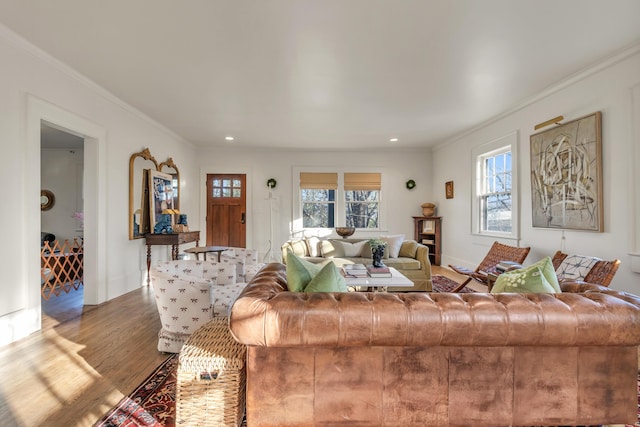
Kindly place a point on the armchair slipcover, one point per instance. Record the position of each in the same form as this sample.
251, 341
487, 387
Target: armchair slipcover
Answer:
246, 261
188, 294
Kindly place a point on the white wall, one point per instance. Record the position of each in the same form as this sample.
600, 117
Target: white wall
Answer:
36, 87
607, 88
398, 166
61, 173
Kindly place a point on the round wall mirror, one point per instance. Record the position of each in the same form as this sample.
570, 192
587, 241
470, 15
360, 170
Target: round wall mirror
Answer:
47, 199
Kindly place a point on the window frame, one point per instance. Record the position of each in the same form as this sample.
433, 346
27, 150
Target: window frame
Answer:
498, 146
329, 203
358, 202
340, 199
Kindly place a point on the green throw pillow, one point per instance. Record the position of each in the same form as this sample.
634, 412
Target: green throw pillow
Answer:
300, 272
539, 278
328, 279
408, 249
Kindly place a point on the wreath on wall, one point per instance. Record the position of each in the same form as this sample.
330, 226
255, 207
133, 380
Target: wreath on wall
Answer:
271, 183
411, 184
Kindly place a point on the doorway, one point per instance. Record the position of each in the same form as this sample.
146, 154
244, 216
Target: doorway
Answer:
61, 223
26, 317
226, 210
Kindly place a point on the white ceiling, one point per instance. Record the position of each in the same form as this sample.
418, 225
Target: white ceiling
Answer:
330, 74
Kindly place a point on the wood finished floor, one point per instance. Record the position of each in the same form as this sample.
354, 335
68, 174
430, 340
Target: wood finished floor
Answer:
84, 360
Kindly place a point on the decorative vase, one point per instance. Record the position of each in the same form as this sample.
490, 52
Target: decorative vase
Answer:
182, 219
428, 209
377, 254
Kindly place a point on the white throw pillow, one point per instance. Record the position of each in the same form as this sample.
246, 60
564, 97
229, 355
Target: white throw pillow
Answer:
394, 243
350, 249
328, 250
312, 245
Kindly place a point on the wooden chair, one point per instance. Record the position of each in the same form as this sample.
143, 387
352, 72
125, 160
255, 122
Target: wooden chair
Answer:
497, 253
601, 273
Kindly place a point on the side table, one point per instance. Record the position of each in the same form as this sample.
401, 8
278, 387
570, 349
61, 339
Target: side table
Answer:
492, 277
173, 239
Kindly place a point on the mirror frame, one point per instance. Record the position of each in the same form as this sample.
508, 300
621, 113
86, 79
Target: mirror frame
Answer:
146, 155
170, 164
51, 200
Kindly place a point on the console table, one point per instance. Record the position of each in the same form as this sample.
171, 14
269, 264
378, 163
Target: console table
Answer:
174, 239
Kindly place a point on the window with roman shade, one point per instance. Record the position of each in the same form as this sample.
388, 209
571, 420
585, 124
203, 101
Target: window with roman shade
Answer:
362, 199
339, 199
318, 196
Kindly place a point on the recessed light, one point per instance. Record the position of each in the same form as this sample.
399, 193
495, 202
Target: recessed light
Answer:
393, 140
228, 138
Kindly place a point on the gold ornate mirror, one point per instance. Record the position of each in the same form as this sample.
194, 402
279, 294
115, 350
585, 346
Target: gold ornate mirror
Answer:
139, 165
170, 168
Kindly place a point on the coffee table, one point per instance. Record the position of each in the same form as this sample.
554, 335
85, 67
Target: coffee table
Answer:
374, 284
207, 249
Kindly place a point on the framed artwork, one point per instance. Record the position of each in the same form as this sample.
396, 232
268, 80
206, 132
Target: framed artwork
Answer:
566, 175
428, 226
448, 189
161, 195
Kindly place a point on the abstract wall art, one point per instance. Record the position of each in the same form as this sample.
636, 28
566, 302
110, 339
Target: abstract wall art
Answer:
566, 175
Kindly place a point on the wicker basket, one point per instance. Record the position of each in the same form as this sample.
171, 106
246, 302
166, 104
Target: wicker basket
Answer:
211, 378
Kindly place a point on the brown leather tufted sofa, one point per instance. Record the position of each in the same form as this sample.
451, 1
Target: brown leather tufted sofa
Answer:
422, 359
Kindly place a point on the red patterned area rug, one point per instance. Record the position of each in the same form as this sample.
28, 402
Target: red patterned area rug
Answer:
152, 404
444, 284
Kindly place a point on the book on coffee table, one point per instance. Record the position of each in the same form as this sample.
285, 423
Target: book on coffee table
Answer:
355, 270
378, 271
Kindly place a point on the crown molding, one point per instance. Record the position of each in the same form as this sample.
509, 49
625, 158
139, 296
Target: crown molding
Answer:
572, 79
23, 44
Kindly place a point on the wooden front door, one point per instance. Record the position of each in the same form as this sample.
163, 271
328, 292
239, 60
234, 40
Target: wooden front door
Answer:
226, 210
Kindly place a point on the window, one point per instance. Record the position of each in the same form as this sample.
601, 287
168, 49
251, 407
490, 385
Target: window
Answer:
331, 199
318, 197
494, 208
318, 208
495, 196
226, 188
362, 199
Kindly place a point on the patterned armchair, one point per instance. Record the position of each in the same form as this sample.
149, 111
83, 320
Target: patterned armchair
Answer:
246, 261
188, 294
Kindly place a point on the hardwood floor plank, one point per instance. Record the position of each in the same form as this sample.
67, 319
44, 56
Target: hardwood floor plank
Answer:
83, 361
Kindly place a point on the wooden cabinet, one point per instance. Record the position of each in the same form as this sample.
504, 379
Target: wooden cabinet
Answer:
427, 232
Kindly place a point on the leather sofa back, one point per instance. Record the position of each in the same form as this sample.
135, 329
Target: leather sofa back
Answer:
439, 360
265, 314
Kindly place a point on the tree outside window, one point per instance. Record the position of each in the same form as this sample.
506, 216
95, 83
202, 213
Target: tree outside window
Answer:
318, 208
361, 208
